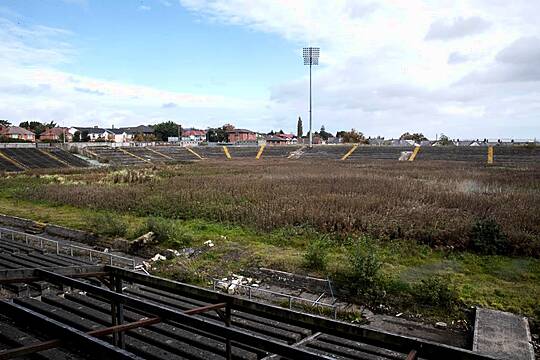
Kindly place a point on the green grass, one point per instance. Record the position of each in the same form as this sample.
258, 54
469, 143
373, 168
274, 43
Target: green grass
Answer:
505, 283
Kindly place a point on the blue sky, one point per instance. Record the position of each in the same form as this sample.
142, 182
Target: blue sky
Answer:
148, 43
466, 68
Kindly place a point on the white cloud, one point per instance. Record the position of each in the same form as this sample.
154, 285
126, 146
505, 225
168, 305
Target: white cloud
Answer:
445, 29
31, 88
379, 74
144, 8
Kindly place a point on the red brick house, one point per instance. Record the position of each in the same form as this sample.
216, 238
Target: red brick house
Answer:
18, 133
193, 135
55, 134
241, 136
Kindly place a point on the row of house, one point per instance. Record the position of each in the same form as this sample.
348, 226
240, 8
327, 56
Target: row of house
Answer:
235, 136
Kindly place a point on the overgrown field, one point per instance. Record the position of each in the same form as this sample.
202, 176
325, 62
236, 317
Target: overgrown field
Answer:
386, 226
434, 204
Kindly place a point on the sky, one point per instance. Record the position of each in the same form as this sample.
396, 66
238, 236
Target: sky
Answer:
465, 68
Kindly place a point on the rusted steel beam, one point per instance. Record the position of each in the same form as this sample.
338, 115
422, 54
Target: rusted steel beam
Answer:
72, 338
413, 355
391, 341
206, 308
50, 344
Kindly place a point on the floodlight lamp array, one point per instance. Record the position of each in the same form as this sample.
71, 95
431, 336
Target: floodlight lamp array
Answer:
311, 56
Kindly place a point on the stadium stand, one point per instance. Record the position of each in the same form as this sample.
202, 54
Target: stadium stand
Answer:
18, 159
172, 320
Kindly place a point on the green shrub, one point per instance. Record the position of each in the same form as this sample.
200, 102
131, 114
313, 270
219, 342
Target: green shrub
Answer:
167, 232
316, 254
364, 277
487, 238
435, 291
108, 225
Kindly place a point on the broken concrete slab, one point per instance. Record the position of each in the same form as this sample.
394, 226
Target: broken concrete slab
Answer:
502, 334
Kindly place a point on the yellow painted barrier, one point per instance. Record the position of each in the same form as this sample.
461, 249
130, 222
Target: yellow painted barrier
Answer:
414, 153
226, 151
135, 156
54, 157
490, 155
13, 161
354, 147
259, 153
194, 153
160, 154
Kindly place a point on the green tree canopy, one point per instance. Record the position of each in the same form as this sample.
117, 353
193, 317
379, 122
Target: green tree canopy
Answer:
417, 137
167, 129
37, 127
217, 134
353, 136
299, 128
4, 123
324, 135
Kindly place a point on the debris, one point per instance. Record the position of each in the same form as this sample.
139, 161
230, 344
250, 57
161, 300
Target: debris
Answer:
398, 315
158, 257
405, 155
171, 253
231, 289
441, 325
209, 243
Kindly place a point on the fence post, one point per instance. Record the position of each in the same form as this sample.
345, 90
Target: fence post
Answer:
90, 253
57, 248
290, 302
71, 250
250, 293
110, 259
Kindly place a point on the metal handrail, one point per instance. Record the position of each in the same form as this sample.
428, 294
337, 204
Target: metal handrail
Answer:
58, 247
290, 298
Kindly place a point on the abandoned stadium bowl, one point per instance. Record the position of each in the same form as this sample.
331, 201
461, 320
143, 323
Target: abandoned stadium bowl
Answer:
268, 252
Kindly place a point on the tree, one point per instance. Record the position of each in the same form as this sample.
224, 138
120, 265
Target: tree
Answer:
417, 137
324, 135
77, 136
299, 128
164, 130
353, 137
217, 135
4, 123
84, 136
444, 140
36, 127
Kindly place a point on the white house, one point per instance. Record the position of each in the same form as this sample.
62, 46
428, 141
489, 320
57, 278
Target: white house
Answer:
94, 133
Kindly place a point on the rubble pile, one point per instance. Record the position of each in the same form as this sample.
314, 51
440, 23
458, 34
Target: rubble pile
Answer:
234, 283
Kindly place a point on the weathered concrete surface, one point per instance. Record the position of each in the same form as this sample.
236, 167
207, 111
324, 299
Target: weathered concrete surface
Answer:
502, 334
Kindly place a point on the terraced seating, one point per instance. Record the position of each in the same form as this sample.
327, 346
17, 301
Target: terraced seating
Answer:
278, 151
377, 153
509, 154
32, 158
8, 166
147, 154
243, 151
325, 152
68, 157
211, 152
116, 156
178, 153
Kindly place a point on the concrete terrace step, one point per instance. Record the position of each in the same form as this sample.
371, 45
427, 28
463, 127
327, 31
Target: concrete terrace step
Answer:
502, 334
